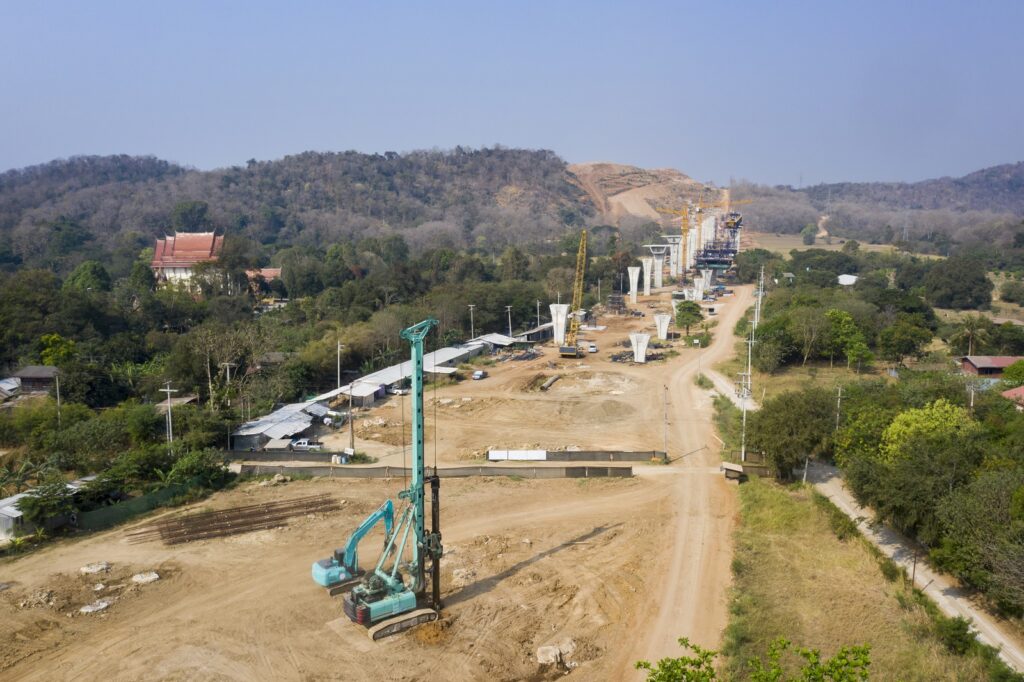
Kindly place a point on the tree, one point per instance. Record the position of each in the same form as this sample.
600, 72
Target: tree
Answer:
90, 275
514, 264
688, 313
973, 331
940, 418
1012, 291
983, 528
808, 234
960, 283
205, 468
57, 350
1014, 374
903, 339
850, 664
807, 327
47, 501
792, 427
191, 216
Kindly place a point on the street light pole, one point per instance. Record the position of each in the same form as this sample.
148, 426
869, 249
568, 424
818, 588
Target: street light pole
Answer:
538, 312
508, 309
472, 329
339, 363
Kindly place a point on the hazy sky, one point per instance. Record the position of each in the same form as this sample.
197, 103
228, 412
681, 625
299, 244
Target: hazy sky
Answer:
778, 92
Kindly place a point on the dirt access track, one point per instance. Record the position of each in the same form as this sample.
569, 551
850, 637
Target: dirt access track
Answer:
613, 569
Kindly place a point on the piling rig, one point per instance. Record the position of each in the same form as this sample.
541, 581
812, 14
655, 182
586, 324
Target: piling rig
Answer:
394, 595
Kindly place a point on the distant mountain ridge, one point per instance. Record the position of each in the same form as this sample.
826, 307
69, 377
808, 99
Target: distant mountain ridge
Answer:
999, 189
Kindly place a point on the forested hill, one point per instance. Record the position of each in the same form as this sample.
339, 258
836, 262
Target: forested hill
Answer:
999, 189
983, 208
58, 214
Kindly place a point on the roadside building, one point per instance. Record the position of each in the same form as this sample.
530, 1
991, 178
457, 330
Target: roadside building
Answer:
538, 334
287, 422
36, 378
988, 366
13, 523
9, 388
1017, 396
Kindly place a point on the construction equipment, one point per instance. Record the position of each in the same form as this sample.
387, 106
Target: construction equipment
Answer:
570, 349
385, 600
340, 571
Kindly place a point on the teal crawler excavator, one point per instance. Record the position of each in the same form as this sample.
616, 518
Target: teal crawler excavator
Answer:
394, 595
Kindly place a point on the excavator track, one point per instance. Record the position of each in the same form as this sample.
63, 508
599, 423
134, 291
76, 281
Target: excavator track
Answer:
406, 621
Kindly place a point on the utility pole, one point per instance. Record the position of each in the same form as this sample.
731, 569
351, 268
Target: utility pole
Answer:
339, 363
227, 387
170, 419
746, 390
839, 405
472, 329
351, 421
57, 378
760, 295
598, 289
538, 312
665, 429
508, 309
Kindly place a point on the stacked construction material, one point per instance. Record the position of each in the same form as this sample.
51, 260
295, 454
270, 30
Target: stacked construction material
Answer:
226, 522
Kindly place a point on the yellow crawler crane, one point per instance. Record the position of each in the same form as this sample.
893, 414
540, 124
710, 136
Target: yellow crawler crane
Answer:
570, 350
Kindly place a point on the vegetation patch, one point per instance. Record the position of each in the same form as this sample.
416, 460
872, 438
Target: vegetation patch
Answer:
794, 578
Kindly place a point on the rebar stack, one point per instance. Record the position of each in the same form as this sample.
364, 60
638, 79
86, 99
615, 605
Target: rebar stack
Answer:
215, 524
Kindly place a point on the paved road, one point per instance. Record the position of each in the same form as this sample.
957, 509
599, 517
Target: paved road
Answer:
941, 588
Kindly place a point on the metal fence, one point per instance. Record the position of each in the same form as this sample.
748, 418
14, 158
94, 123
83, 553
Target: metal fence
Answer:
105, 517
452, 472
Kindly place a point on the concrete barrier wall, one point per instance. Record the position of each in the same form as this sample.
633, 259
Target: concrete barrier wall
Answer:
604, 456
453, 472
280, 456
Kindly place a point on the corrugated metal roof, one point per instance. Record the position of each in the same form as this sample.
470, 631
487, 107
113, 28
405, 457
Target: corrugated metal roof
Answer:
282, 422
496, 339
992, 361
433, 363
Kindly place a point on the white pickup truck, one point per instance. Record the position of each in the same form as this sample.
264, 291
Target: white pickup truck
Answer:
305, 445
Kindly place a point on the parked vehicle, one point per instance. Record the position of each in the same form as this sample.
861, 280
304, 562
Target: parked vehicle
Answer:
305, 445
592, 348
479, 374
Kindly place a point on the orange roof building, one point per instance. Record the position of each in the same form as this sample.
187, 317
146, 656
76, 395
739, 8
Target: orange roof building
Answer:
175, 256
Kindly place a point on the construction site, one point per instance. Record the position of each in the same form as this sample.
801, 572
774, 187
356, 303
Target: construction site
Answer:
567, 514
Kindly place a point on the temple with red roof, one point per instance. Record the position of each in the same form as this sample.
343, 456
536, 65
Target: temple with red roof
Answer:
175, 256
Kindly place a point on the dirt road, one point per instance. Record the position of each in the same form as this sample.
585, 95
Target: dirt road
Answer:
696, 565
619, 567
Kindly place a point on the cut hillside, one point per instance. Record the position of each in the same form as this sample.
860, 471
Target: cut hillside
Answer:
620, 191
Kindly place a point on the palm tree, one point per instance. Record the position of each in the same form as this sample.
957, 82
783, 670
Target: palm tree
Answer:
973, 330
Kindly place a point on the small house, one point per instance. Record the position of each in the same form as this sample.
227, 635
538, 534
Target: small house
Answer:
990, 366
36, 378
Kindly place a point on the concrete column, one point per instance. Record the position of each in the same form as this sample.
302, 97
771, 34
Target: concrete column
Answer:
634, 280
706, 276
675, 253
691, 249
661, 321
648, 265
559, 316
696, 292
659, 266
708, 229
639, 343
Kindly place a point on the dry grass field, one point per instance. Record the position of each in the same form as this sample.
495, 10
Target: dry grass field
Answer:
795, 578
